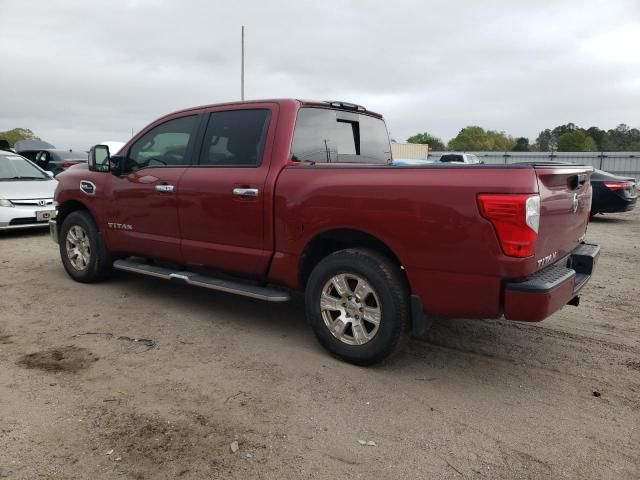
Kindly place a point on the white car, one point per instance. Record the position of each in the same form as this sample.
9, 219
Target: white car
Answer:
26, 193
467, 158
455, 157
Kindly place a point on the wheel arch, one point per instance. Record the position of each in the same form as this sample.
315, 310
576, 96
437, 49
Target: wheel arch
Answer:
330, 241
70, 206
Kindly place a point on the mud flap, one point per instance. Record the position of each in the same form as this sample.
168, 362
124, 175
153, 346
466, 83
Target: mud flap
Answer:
420, 323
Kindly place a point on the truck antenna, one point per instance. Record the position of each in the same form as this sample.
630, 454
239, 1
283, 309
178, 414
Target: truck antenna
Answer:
242, 64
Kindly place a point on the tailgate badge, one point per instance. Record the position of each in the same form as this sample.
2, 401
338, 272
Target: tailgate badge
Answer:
575, 202
544, 261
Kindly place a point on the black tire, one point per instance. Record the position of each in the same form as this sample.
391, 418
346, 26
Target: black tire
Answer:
390, 288
99, 265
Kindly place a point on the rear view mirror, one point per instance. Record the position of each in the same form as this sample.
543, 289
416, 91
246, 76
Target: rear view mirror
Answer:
99, 158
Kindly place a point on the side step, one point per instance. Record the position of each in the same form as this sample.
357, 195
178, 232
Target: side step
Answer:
195, 279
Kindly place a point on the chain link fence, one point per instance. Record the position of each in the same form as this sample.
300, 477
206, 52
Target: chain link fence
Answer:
626, 164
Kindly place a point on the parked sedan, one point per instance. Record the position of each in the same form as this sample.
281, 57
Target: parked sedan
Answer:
26, 193
612, 193
56, 161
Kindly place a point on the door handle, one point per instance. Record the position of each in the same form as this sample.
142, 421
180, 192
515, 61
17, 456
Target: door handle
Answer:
164, 188
245, 192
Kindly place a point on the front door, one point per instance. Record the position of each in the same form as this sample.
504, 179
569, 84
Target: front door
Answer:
222, 199
142, 215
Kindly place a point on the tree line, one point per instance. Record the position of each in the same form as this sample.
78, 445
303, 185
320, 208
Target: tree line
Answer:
16, 135
563, 138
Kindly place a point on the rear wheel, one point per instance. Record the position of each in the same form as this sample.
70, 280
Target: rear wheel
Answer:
358, 305
81, 249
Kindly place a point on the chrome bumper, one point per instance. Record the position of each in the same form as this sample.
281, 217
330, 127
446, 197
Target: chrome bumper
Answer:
24, 226
53, 230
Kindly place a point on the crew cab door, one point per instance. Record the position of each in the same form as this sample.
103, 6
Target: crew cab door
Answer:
222, 200
142, 211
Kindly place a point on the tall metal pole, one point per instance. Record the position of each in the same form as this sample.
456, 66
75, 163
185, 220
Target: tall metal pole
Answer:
242, 67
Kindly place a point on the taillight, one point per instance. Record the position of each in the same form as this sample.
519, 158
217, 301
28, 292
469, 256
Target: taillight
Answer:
618, 185
516, 219
67, 164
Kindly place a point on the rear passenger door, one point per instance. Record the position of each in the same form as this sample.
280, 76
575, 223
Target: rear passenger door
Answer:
222, 198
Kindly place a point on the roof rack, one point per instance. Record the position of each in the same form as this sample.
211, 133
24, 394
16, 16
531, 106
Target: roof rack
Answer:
346, 105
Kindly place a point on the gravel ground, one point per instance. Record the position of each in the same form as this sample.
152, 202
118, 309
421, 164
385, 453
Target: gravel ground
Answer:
474, 399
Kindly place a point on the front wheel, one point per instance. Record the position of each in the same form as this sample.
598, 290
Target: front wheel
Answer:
81, 249
357, 303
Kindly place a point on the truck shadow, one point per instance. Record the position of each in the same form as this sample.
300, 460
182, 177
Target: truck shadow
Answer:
449, 342
25, 233
612, 218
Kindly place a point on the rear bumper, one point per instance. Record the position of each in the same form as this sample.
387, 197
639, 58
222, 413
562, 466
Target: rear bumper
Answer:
548, 290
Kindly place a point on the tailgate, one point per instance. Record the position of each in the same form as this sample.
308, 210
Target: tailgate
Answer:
565, 204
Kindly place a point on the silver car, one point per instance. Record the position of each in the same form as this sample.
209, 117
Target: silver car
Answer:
26, 193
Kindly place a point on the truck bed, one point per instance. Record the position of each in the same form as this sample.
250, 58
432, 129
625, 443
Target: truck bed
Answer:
428, 216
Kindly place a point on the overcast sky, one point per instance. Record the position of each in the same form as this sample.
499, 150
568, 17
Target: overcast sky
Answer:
81, 72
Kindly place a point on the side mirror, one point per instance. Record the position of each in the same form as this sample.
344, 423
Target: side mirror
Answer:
49, 173
98, 160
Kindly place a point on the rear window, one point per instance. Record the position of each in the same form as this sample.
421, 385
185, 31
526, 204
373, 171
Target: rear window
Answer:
331, 136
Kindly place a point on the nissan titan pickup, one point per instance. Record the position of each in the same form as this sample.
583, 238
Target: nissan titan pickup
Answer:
268, 198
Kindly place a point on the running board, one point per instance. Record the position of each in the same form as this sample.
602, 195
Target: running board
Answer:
197, 280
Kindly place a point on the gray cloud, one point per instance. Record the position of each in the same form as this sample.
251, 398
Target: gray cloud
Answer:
81, 72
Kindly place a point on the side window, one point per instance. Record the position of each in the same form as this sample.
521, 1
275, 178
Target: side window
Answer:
41, 159
323, 135
235, 138
30, 155
163, 146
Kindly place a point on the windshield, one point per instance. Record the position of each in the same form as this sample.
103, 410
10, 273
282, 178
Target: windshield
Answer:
13, 167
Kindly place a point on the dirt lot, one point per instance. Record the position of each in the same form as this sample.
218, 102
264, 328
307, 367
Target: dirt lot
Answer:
475, 399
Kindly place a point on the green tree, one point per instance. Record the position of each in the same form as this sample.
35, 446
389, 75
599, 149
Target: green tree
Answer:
470, 138
17, 134
562, 129
545, 141
576, 141
522, 145
500, 141
474, 138
598, 136
622, 139
425, 138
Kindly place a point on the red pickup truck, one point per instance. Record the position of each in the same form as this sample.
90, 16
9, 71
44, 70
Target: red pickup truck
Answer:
265, 198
